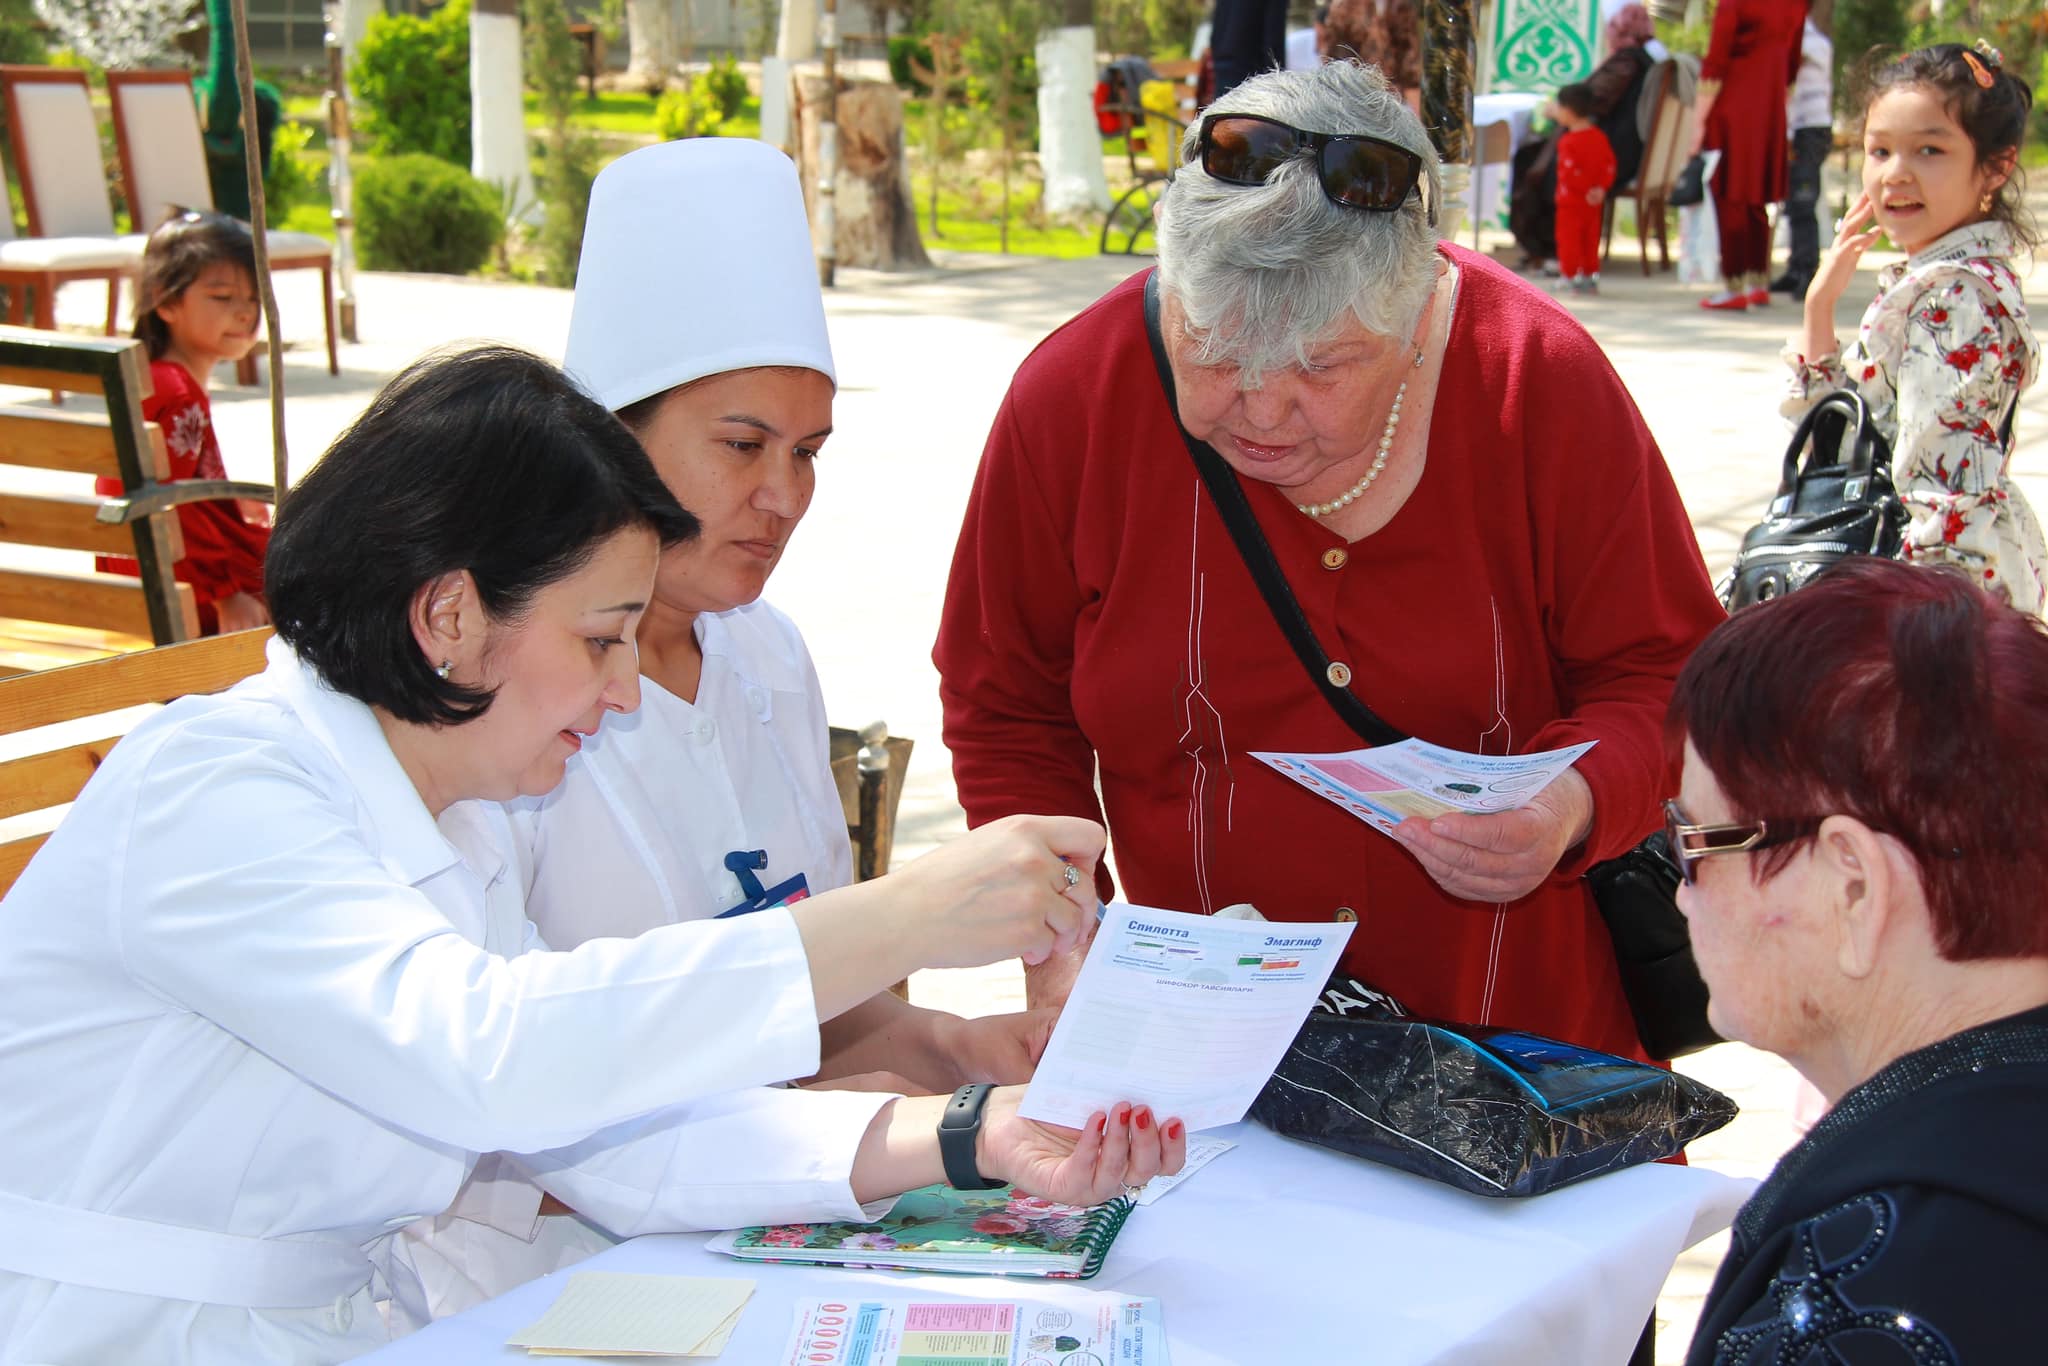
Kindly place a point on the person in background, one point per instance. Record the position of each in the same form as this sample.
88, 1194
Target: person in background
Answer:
1585, 173
196, 308
1740, 112
1386, 34
1810, 114
1617, 90
1945, 349
1867, 888
1245, 38
1305, 45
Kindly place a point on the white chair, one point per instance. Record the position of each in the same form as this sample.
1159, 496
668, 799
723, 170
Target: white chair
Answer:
163, 168
64, 189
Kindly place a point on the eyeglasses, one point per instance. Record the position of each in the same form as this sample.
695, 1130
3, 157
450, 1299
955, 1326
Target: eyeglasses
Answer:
1690, 843
1357, 171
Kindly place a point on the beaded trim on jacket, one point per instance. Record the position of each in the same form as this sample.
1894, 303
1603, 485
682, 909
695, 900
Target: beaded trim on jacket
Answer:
2002, 1043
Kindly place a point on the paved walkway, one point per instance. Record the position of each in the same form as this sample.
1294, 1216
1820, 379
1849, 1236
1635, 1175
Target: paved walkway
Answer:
924, 359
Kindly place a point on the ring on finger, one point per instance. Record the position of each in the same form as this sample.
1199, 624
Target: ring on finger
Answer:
1131, 1192
1071, 874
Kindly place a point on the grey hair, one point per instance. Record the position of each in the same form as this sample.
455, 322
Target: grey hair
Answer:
1262, 272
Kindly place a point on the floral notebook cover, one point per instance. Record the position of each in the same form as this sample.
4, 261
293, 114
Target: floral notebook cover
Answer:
936, 1228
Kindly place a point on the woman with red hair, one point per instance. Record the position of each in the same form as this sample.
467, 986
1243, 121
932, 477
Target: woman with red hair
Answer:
1870, 755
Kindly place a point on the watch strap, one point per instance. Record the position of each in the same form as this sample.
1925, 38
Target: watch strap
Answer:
959, 1125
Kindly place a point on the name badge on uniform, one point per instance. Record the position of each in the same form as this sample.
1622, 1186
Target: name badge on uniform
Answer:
743, 864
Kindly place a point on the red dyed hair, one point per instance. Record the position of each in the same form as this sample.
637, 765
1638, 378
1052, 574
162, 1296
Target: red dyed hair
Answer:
1906, 697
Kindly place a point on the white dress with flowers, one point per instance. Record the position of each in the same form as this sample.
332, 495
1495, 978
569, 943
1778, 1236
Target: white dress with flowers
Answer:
1942, 355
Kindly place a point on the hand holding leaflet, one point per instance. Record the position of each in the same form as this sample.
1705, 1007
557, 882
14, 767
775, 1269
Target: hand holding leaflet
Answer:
1384, 785
1186, 1013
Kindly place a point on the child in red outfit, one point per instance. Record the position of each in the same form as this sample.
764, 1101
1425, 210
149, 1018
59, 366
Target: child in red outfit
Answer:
197, 309
1585, 172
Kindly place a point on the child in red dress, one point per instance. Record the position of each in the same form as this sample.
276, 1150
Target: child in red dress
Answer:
1585, 172
197, 309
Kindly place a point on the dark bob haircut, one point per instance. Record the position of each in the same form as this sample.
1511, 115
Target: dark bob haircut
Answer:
1994, 116
488, 460
1905, 696
177, 254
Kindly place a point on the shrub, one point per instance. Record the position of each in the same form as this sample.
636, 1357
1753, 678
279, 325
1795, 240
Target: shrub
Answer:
689, 110
293, 178
418, 212
412, 79
727, 84
904, 50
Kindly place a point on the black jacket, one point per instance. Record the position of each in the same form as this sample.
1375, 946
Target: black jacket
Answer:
1911, 1224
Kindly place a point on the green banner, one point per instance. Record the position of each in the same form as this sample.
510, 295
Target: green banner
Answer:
1539, 45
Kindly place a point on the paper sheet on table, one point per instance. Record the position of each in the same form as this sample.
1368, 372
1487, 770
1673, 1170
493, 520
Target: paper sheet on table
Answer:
615, 1313
1080, 1327
1384, 785
1201, 1152
1186, 1013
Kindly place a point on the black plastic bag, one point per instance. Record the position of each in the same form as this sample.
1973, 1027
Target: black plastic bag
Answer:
1691, 186
1491, 1111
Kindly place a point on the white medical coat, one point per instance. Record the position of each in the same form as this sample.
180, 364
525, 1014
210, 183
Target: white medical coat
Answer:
637, 833
249, 987
635, 837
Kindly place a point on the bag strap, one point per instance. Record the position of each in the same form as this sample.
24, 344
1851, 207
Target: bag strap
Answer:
1236, 511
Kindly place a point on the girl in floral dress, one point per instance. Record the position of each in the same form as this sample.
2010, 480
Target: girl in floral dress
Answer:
1944, 350
197, 309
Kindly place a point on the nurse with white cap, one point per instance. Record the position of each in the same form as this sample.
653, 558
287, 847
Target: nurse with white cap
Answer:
698, 320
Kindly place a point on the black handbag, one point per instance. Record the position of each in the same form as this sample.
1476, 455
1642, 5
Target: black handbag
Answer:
1835, 499
1633, 892
1691, 186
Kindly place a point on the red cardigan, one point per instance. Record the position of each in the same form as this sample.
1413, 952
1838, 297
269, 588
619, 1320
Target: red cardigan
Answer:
1541, 586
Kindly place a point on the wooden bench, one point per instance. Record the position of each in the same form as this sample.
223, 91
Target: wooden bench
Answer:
53, 613
58, 725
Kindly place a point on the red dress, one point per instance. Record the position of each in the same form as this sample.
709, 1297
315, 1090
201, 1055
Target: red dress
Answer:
1541, 586
1754, 53
223, 552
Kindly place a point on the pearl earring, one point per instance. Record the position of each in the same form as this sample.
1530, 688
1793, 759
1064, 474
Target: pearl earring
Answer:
447, 667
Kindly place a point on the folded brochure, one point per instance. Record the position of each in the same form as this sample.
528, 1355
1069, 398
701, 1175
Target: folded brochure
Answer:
936, 1228
1079, 1328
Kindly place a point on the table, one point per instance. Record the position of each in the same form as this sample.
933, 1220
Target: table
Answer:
1277, 1252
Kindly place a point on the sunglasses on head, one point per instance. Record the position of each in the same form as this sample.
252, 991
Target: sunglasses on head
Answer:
1357, 171
1690, 843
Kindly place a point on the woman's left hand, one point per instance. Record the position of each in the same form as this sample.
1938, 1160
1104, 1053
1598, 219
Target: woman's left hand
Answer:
1127, 1146
1004, 1049
1502, 856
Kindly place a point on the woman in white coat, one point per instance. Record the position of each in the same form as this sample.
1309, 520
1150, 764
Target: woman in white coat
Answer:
257, 1012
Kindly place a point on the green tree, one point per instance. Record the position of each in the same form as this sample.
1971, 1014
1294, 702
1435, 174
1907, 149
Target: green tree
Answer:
1864, 29
554, 61
1001, 48
411, 79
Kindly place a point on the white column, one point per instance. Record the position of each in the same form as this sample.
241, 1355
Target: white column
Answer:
796, 34
497, 110
1069, 144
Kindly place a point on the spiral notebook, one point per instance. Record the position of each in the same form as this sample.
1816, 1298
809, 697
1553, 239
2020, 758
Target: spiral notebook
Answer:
936, 1228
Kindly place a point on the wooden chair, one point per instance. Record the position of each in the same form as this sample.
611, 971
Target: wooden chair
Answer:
868, 767
57, 612
1664, 145
71, 235
1493, 144
163, 169
79, 713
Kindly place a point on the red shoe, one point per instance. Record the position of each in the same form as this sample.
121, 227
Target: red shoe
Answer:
1759, 298
1725, 302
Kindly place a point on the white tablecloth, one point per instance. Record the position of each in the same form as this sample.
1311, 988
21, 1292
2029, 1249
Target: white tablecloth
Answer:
1275, 1253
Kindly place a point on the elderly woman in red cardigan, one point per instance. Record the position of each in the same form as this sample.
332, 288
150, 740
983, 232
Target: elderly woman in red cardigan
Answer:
1457, 489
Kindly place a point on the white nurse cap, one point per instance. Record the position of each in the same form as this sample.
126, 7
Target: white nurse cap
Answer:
696, 260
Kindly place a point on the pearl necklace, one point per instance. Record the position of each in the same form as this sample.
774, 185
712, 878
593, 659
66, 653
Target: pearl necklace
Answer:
1379, 460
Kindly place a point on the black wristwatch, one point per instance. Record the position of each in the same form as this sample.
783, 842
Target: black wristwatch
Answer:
957, 1129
